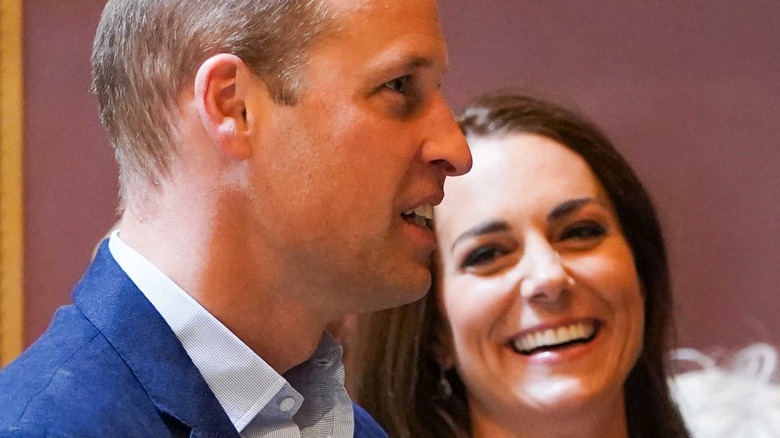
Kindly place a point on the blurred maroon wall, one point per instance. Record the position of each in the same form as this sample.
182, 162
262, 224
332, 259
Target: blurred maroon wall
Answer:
689, 91
70, 187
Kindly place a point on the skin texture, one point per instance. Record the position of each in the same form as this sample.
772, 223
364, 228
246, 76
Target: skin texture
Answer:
536, 269
278, 218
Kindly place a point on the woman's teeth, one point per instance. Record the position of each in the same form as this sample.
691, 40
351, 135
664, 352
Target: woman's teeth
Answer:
582, 331
420, 215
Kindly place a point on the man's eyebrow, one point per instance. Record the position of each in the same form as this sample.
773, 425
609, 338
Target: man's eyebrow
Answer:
569, 207
407, 60
487, 227
417, 62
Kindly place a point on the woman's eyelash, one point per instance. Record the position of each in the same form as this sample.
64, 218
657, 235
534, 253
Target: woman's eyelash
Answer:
481, 256
587, 230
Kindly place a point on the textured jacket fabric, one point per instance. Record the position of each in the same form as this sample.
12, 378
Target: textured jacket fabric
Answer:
109, 366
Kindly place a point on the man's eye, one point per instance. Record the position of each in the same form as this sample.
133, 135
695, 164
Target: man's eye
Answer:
399, 85
481, 256
583, 231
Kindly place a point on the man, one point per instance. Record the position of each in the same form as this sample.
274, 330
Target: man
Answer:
278, 164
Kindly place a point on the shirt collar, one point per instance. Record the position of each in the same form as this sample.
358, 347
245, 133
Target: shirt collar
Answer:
242, 381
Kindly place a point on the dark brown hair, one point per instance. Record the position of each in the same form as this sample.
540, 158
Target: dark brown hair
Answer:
147, 51
395, 366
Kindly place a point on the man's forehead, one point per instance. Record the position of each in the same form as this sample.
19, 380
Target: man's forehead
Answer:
361, 9
383, 21
366, 5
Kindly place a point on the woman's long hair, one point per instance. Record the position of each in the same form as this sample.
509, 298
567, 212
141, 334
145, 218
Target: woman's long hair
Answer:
395, 372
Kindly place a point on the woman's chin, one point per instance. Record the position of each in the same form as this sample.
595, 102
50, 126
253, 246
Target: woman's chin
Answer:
565, 396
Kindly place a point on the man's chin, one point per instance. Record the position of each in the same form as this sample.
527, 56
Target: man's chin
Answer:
408, 290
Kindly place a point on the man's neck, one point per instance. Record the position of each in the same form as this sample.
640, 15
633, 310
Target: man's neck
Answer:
208, 265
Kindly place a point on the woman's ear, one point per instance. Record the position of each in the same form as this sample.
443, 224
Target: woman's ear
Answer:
223, 89
443, 349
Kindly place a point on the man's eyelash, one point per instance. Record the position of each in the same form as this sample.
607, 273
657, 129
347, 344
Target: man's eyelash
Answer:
399, 85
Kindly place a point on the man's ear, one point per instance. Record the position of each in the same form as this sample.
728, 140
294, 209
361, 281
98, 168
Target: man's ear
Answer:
223, 87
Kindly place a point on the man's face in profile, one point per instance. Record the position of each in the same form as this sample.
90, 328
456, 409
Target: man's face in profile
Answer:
368, 140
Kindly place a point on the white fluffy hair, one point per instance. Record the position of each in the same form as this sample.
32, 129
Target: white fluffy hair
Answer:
735, 398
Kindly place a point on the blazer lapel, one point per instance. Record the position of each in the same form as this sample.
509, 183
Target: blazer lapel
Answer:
112, 302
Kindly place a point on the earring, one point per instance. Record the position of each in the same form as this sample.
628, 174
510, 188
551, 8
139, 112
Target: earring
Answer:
443, 388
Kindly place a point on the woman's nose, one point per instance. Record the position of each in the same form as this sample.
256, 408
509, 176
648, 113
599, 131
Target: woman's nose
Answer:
543, 277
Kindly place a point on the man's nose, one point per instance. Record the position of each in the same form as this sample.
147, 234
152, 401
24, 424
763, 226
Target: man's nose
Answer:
543, 277
445, 145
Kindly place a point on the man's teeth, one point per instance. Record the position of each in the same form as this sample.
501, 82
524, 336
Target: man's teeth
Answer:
425, 210
420, 215
552, 337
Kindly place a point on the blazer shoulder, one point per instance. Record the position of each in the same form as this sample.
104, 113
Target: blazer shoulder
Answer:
73, 381
34, 370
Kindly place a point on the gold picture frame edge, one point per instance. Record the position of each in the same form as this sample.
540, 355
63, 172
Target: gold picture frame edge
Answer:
11, 182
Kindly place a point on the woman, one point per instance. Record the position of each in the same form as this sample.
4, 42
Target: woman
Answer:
552, 301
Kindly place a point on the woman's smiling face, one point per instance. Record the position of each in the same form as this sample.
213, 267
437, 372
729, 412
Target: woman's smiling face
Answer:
540, 294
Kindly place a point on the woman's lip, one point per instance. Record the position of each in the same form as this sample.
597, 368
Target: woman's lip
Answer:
556, 338
565, 355
556, 325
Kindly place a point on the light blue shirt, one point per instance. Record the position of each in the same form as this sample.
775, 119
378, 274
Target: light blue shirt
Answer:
308, 401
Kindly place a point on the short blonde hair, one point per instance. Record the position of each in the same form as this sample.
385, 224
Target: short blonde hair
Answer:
146, 53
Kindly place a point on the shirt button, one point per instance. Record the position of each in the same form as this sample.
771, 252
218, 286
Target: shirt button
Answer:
287, 404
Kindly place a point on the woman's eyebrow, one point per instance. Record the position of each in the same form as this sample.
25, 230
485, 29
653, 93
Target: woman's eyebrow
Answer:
569, 207
490, 226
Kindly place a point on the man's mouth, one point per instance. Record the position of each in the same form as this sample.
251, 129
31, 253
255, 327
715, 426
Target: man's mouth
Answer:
420, 216
556, 338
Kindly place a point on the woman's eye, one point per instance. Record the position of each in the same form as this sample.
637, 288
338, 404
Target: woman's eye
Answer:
584, 231
399, 85
481, 256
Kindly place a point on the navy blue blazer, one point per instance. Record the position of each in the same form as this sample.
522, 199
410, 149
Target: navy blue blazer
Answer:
109, 366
